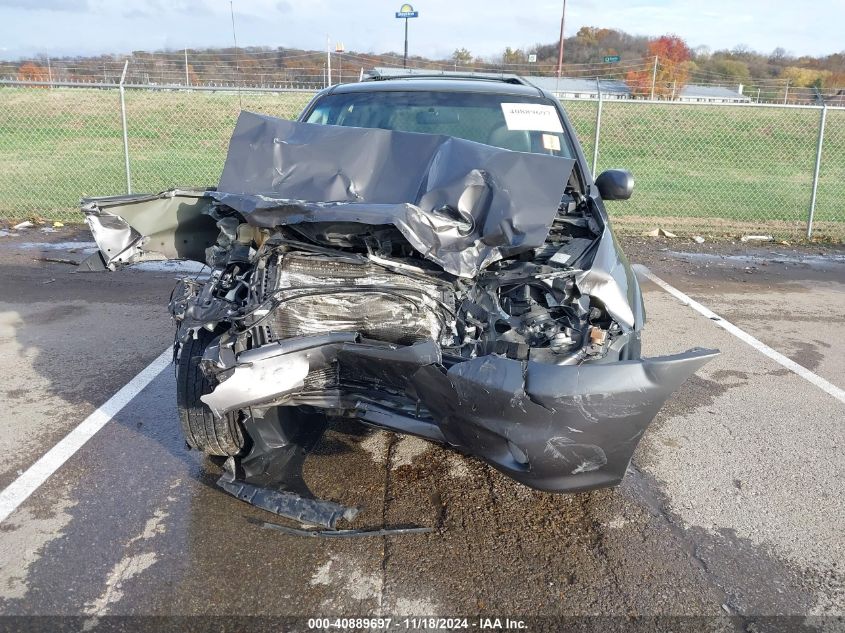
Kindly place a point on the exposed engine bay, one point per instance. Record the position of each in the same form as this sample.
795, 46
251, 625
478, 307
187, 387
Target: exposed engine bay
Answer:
466, 294
331, 277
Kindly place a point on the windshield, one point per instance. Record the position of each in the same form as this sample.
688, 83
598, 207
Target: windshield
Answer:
519, 123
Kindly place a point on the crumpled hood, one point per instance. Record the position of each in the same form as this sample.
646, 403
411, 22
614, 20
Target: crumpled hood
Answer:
460, 204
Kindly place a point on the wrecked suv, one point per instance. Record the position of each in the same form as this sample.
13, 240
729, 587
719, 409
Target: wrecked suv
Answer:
426, 255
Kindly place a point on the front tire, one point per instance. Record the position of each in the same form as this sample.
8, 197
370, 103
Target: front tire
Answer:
202, 431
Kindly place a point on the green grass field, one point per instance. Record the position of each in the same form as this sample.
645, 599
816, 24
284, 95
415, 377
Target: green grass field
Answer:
694, 165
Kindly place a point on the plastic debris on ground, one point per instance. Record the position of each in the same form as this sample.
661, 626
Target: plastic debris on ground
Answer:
659, 232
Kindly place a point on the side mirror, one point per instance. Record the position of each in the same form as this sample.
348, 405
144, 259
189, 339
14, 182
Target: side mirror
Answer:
615, 184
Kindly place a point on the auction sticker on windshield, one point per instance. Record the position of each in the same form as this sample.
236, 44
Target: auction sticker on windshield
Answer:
531, 116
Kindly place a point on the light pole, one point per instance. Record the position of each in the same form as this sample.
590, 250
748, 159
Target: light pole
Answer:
405, 12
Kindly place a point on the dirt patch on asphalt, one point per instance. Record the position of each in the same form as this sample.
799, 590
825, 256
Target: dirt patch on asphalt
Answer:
734, 265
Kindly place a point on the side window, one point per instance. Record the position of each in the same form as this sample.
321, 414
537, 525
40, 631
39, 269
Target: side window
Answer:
319, 115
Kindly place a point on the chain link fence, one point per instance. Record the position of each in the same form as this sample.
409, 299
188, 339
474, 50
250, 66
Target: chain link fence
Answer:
702, 168
726, 168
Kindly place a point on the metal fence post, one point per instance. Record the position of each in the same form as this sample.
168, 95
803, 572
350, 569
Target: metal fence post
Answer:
653, 77
598, 129
819, 145
125, 135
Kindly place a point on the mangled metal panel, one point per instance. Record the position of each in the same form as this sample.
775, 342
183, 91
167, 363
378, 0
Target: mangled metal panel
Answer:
172, 225
611, 280
460, 204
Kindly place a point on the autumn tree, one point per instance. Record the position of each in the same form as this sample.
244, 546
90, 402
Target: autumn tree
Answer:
701, 52
836, 81
511, 56
779, 56
462, 57
193, 78
590, 44
592, 35
731, 69
805, 77
32, 72
673, 66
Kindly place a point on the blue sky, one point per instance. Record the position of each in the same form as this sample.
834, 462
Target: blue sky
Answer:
59, 27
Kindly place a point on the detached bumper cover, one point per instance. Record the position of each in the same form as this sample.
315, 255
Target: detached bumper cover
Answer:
555, 428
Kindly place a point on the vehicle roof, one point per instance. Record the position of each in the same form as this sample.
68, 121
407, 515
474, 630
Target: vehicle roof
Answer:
441, 84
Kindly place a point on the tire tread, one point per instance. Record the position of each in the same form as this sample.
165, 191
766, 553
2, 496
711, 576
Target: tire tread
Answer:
213, 436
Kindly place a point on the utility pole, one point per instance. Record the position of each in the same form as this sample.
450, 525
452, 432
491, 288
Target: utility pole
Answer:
786, 92
49, 73
328, 62
187, 80
560, 45
653, 77
237, 63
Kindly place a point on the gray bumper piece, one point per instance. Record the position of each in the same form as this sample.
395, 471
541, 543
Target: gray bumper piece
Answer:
293, 505
555, 428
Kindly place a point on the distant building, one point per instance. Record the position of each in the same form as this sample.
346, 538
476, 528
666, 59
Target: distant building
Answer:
692, 93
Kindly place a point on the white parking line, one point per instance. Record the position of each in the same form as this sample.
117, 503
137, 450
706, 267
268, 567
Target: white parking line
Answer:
29, 481
761, 347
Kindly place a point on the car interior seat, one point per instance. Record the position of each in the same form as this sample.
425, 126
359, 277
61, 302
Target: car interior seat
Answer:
516, 140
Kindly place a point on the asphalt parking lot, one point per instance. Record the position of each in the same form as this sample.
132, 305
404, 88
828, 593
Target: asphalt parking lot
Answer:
733, 504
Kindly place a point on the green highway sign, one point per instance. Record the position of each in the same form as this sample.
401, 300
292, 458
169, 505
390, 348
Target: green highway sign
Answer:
610, 59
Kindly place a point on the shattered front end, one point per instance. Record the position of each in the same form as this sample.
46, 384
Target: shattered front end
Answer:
424, 284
